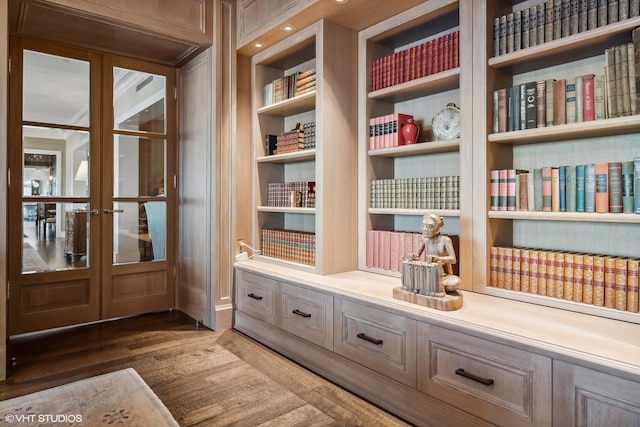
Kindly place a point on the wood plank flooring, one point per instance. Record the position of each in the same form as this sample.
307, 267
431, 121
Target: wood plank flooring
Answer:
205, 378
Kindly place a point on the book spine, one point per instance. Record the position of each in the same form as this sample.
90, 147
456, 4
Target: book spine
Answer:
533, 271
598, 281
530, 105
592, 14
525, 28
524, 269
633, 87
538, 200
590, 187
610, 83
548, 21
636, 185
615, 187
541, 23
495, 190
557, 19
570, 188
530, 192
602, 187
566, 13
602, 13
570, 101
551, 274
517, 30
533, 26
510, 29
623, 79
609, 282
523, 186
500, 268
511, 189
550, 101
502, 190
580, 196
578, 277
623, 10
542, 272
587, 287
540, 103
573, 16
620, 284
579, 87
588, 110
516, 262
559, 104
599, 108
562, 188
627, 187
546, 189
555, 190
502, 109
612, 12
493, 266
632, 285
508, 268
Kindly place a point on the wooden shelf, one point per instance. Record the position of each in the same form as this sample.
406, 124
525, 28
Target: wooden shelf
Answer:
291, 106
567, 216
429, 147
591, 129
428, 85
565, 49
298, 156
420, 212
610, 313
273, 209
284, 263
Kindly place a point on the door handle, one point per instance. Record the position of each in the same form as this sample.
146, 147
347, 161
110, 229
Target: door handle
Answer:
111, 211
92, 212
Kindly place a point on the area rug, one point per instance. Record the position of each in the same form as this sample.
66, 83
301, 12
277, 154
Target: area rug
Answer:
31, 260
120, 398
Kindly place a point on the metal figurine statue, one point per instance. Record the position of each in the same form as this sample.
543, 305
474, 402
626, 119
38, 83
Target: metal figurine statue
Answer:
434, 277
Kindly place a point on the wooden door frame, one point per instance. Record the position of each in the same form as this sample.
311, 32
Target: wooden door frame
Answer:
147, 271
77, 279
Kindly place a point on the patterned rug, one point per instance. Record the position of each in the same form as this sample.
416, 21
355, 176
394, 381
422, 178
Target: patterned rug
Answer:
120, 398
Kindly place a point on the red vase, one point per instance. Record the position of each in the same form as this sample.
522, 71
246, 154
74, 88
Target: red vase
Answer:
410, 132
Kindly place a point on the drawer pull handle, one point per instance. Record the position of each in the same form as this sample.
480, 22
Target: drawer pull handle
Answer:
254, 296
365, 337
474, 377
301, 313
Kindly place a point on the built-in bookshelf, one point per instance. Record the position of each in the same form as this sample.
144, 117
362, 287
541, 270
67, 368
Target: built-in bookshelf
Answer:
314, 232
422, 94
612, 139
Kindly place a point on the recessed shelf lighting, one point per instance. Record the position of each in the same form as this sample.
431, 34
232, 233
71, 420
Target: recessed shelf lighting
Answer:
257, 45
287, 28
340, 1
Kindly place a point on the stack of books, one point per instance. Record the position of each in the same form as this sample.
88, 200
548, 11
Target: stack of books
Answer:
288, 142
386, 131
603, 187
289, 86
293, 246
386, 248
435, 192
555, 19
279, 193
600, 280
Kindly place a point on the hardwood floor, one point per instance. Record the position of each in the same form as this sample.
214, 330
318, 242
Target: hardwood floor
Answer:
205, 378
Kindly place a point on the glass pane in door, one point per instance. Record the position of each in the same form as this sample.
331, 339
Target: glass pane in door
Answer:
139, 231
55, 236
139, 167
138, 101
55, 89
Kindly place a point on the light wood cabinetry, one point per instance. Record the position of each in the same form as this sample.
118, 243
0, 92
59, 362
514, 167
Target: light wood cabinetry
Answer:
322, 46
585, 397
502, 384
607, 140
308, 314
422, 98
380, 340
162, 31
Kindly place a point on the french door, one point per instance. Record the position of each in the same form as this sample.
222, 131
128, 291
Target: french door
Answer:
92, 192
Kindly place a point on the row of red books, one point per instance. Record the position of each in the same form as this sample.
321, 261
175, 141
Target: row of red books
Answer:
433, 56
292, 246
600, 280
386, 248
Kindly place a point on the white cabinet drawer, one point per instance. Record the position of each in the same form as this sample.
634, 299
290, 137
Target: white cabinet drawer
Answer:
257, 295
308, 314
501, 384
379, 340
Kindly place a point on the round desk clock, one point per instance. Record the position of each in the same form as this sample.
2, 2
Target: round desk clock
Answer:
446, 124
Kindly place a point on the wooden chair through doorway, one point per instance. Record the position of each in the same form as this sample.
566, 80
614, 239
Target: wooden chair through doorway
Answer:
46, 215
